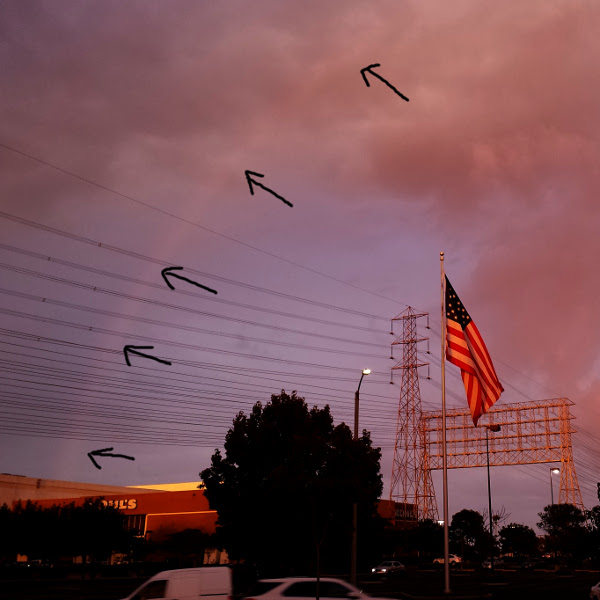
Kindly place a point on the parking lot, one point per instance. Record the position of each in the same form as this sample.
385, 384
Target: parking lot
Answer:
414, 583
505, 584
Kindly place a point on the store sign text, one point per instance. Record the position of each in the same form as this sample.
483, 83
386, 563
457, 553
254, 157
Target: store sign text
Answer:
121, 504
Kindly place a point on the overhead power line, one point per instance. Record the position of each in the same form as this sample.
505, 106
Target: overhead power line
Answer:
160, 323
183, 220
195, 295
104, 331
157, 383
207, 366
25, 379
216, 366
333, 396
66, 432
282, 378
186, 309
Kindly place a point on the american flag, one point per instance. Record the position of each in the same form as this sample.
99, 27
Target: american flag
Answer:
465, 349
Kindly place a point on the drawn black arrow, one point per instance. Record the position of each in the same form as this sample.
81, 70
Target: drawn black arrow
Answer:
134, 350
251, 181
362, 72
106, 452
167, 271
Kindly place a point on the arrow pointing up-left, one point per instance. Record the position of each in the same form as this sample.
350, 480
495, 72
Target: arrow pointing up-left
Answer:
134, 350
106, 452
264, 187
169, 271
370, 70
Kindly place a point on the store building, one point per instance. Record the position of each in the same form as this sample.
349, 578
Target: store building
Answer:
398, 514
152, 511
157, 515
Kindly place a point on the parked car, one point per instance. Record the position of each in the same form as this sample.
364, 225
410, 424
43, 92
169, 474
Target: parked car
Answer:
38, 563
595, 592
304, 588
498, 563
206, 583
387, 567
453, 559
532, 563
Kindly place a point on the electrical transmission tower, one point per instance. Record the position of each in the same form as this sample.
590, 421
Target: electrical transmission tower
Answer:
411, 478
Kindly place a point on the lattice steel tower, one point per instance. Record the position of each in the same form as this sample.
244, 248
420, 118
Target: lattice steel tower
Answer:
411, 477
530, 433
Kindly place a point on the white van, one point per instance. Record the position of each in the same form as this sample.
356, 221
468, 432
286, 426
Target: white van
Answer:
203, 583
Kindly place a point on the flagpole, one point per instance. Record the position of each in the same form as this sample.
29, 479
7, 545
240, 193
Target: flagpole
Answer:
444, 456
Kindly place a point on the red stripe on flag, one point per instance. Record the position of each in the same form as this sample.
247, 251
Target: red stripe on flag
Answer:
487, 375
478, 344
467, 350
483, 358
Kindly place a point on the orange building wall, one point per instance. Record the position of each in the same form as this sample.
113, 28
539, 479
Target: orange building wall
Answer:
397, 513
159, 526
161, 502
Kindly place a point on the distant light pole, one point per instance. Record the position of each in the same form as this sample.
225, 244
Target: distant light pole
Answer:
355, 505
494, 427
553, 470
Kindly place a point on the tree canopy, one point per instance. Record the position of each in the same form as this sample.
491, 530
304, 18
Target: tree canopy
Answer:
468, 533
86, 529
565, 525
426, 538
287, 483
518, 540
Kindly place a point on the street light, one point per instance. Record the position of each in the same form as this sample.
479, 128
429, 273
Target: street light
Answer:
356, 397
355, 505
494, 427
553, 470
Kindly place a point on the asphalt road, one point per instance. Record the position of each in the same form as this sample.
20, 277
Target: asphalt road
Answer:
415, 583
506, 585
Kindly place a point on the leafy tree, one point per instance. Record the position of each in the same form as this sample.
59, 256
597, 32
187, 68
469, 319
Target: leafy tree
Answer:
85, 529
593, 532
284, 489
8, 533
468, 533
427, 538
96, 530
188, 545
35, 528
518, 539
565, 526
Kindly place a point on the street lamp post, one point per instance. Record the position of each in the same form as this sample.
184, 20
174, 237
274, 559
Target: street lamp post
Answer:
355, 505
553, 470
494, 427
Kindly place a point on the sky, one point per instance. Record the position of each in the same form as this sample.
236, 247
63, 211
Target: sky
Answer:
126, 132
